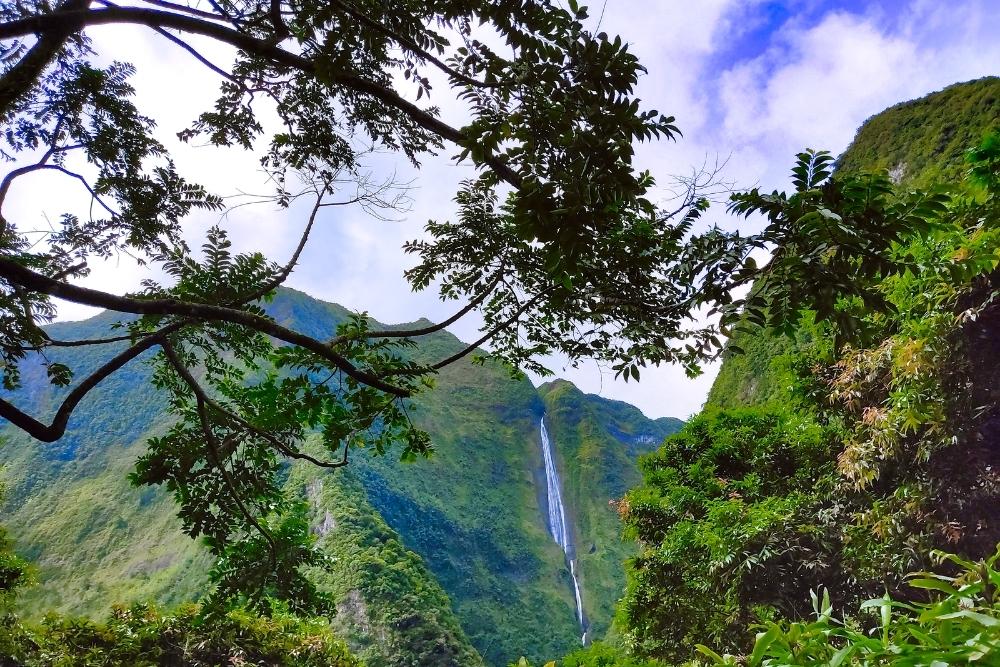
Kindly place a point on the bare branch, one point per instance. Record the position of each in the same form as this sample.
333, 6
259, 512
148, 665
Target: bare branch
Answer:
489, 334
423, 331
286, 270
21, 171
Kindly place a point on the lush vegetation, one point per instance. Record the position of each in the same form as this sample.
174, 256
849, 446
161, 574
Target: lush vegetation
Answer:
883, 449
958, 625
726, 520
960, 116
923, 141
96, 540
556, 245
142, 635
14, 575
598, 654
389, 607
472, 513
864, 453
550, 266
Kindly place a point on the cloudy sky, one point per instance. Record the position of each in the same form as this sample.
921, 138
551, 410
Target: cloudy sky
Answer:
749, 82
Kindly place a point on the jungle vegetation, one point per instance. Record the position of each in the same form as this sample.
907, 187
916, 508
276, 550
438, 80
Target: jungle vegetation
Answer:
849, 465
832, 474
885, 285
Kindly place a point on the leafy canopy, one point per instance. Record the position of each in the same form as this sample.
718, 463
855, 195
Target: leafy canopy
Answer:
868, 456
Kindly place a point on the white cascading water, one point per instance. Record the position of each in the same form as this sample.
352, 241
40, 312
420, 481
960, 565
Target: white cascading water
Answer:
557, 522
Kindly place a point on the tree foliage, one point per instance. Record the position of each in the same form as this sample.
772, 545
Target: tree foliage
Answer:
888, 451
554, 103
726, 524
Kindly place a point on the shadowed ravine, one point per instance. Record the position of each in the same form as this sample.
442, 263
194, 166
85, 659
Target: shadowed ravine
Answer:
557, 523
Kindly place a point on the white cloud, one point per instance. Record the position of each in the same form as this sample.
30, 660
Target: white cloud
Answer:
816, 84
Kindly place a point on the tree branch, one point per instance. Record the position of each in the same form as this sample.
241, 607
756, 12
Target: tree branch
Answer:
19, 79
411, 333
213, 444
286, 270
68, 21
281, 32
20, 275
489, 334
85, 342
53, 432
184, 9
411, 46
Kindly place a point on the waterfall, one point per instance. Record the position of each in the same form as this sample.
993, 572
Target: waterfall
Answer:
557, 523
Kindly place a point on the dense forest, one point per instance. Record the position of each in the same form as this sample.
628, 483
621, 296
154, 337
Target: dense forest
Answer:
850, 471
218, 469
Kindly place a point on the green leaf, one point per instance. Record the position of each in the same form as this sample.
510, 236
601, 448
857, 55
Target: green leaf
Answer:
933, 584
704, 650
841, 655
982, 619
762, 644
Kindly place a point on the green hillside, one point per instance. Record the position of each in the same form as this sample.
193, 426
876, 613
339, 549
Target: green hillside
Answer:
924, 140
472, 516
920, 141
473, 512
95, 540
390, 610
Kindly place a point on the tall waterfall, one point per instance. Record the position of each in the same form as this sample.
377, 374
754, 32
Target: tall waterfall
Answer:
557, 523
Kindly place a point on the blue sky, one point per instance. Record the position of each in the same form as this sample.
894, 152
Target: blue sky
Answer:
749, 81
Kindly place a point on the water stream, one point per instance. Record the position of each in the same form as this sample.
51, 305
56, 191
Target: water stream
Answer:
557, 523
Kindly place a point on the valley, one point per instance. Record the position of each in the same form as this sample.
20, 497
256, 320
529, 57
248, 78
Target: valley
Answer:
472, 522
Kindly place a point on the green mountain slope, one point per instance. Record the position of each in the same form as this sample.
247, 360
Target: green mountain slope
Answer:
920, 141
598, 441
390, 610
472, 516
924, 140
96, 540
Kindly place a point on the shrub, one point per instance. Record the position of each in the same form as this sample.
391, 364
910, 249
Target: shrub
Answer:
140, 635
958, 625
726, 528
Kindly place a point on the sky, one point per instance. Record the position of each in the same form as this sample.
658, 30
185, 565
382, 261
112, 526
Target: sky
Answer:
751, 83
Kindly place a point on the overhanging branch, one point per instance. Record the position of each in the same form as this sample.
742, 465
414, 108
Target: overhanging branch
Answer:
20, 275
54, 431
66, 22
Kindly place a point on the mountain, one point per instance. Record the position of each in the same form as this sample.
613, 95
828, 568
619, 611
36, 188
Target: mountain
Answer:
436, 562
920, 142
924, 140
